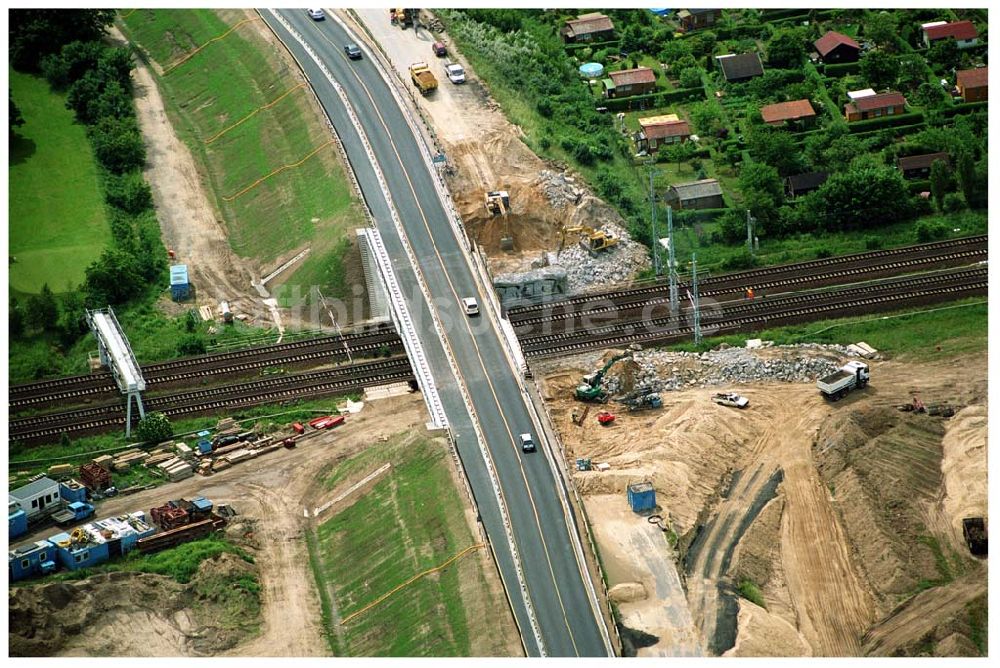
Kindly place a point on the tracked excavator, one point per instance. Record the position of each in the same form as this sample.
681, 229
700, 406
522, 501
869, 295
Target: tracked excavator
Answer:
590, 389
591, 240
498, 204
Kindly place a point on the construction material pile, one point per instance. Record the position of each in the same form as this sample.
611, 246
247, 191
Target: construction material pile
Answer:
664, 371
561, 190
615, 266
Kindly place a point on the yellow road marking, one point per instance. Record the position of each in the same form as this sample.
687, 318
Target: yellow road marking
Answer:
214, 39
277, 171
416, 577
255, 112
475, 345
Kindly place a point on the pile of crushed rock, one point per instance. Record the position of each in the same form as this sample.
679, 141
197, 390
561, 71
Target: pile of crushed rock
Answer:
664, 371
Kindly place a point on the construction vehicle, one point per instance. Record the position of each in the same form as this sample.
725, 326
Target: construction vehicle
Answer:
731, 399
73, 512
918, 406
643, 400
403, 17
604, 418
852, 375
974, 532
590, 389
591, 240
498, 204
423, 78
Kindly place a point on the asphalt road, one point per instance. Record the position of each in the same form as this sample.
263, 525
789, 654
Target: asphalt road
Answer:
565, 614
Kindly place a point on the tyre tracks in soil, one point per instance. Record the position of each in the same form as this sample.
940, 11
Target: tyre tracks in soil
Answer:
832, 607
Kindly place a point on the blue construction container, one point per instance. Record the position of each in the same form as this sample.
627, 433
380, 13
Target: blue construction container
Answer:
641, 497
30, 561
17, 522
180, 286
202, 504
72, 491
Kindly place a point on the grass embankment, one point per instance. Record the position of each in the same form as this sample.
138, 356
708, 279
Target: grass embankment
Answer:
933, 333
228, 81
410, 521
26, 460
58, 222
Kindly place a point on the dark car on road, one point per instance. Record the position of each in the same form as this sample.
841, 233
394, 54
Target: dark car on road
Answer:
352, 51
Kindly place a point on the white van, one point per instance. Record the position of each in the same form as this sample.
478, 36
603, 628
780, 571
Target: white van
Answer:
527, 444
471, 306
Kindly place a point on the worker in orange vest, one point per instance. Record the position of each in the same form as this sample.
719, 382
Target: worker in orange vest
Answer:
750, 293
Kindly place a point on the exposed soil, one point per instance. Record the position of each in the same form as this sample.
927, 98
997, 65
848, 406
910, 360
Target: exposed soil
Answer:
833, 511
128, 614
486, 152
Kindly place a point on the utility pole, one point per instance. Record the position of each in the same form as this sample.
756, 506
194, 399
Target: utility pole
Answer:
694, 299
671, 262
750, 223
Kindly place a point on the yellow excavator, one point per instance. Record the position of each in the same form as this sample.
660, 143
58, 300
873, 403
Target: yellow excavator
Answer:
498, 204
591, 240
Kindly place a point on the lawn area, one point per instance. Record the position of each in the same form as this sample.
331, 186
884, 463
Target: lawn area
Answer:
410, 521
57, 217
215, 99
935, 332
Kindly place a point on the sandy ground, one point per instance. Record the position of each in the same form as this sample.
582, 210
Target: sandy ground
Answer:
187, 220
642, 578
486, 153
745, 492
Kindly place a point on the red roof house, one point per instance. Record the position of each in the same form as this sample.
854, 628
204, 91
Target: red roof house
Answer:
834, 47
875, 106
973, 84
778, 114
963, 32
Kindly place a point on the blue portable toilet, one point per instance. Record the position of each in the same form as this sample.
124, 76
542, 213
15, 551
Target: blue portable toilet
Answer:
180, 286
641, 497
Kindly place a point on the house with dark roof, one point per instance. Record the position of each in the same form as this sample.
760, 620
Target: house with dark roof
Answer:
875, 106
834, 47
919, 166
963, 32
973, 85
623, 83
593, 27
657, 131
692, 19
800, 184
796, 111
740, 68
704, 194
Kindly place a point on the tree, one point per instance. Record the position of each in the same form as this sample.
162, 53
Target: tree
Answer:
786, 48
774, 147
118, 144
703, 43
42, 309
674, 50
912, 71
191, 344
71, 62
129, 192
679, 152
154, 428
862, 197
953, 203
880, 27
72, 318
945, 54
707, 117
929, 95
762, 190
114, 278
879, 68
691, 77
941, 182
972, 179
732, 226
15, 119
35, 33
15, 318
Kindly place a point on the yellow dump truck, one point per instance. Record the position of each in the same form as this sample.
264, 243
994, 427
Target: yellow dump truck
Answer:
423, 78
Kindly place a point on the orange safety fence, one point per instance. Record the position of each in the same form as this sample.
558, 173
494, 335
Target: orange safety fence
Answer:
255, 112
277, 171
186, 58
411, 581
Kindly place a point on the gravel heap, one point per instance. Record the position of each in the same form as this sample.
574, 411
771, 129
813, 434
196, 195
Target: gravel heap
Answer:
617, 265
664, 371
561, 190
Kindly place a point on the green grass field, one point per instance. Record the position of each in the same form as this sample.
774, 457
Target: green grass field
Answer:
225, 83
410, 521
57, 216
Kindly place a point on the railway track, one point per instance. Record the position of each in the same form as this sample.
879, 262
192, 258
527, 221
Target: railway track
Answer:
112, 416
815, 273
747, 316
330, 348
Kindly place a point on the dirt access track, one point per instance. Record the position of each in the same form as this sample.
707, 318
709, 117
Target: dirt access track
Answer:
275, 490
829, 510
487, 153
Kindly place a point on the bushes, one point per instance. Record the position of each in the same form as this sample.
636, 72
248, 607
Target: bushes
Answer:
840, 69
930, 231
153, 428
118, 144
652, 100
128, 192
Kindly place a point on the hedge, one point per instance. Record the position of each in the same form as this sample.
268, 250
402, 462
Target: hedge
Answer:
837, 70
885, 122
965, 108
653, 100
700, 154
698, 215
596, 46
